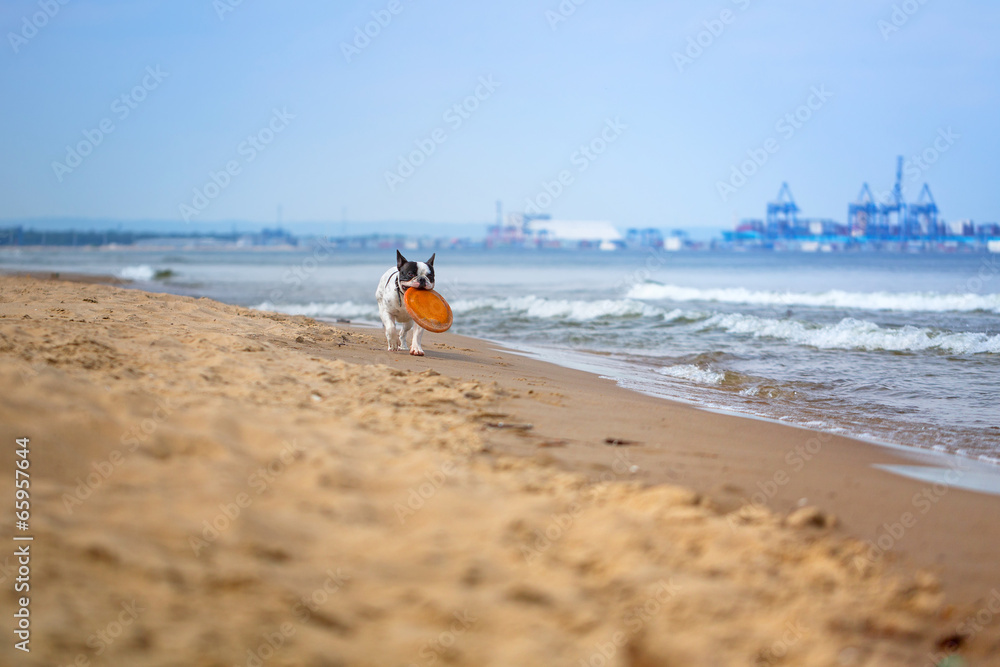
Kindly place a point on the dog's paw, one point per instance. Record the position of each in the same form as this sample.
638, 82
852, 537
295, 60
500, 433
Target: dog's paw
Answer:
417, 353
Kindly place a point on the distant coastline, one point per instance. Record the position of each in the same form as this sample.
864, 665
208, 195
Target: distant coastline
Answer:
278, 239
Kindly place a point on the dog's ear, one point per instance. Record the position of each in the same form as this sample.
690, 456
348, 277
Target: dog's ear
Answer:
430, 262
400, 260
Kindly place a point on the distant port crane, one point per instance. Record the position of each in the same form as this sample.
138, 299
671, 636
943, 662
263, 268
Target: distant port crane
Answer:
921, 218
892, 218
892, 213
782, 214
862, 215
875, 220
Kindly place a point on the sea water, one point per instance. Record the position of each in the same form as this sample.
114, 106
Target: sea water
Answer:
887, 347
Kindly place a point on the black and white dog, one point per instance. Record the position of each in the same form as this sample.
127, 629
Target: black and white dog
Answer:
406, 275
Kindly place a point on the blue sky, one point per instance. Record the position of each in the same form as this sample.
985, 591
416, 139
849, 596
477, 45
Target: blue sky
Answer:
231, 110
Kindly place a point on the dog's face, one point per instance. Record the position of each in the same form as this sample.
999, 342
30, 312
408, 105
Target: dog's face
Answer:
419, 275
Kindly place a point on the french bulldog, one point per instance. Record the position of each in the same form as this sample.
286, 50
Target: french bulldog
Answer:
391, 309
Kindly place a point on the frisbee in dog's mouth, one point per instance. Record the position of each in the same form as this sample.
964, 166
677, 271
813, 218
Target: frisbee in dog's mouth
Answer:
428, 309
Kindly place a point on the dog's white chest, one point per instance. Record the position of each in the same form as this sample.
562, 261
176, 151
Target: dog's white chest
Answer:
390, 298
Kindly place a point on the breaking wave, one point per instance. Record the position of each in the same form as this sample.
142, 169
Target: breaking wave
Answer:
564, 309
346, 309
854, 334
140, 272
693, 373
933, 302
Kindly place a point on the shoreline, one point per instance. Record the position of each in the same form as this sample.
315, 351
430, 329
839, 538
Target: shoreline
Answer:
508, 444
69, 276
578, 360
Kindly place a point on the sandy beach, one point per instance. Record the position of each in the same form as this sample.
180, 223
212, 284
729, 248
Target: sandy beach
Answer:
212, 485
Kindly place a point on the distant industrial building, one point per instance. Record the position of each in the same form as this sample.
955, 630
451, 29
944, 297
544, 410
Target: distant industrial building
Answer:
576, 233
887, 222
541, 231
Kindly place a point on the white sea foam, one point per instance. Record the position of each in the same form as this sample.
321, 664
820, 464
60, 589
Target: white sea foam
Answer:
345, 309
564, 309
933, 302
693, 373
854, 334
140, 272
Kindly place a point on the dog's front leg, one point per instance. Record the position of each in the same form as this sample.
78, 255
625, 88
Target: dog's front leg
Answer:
415, 348
404, 327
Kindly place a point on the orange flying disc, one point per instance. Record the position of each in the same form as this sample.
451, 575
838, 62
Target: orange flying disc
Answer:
428, 309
